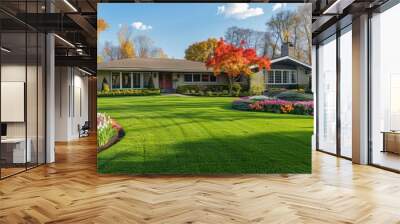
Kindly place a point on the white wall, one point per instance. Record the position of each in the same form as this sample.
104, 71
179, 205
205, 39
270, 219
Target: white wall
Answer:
71, 87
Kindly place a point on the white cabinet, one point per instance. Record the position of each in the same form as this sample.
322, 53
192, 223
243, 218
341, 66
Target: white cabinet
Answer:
18, 149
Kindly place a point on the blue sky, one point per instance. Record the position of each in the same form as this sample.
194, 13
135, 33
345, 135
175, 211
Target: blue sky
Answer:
173, 27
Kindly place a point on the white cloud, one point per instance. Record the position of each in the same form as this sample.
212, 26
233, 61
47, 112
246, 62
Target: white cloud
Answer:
141, 26
239, 10
278, 6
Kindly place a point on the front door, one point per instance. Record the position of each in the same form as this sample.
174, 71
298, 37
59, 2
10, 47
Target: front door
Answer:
165, 81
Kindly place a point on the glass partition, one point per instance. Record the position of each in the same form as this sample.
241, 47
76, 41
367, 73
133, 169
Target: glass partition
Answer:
327, 95
22, 95
346, 92
385, 89
13, 94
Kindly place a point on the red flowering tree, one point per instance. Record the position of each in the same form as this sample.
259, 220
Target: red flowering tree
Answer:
235, 61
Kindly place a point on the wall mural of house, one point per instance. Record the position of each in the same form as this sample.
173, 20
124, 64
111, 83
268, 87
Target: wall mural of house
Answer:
167, 74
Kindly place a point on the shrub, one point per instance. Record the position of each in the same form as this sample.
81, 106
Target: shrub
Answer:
241, 104
272, 92
257, 89
260, 97
293, 95
236, 87
304, 107
243, 94
129, 92
184, 89
244, 86
105, 86
206, 90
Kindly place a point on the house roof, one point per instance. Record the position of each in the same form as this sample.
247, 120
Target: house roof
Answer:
154, 64
288, 59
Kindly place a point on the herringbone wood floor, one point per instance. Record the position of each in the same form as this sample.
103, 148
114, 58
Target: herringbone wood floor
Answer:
70, 191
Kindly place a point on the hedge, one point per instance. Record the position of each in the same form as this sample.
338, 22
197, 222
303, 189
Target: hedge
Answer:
294, 96
211, 90
129, 92
187, 89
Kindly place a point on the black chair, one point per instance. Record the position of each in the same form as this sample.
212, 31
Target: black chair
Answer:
84, 130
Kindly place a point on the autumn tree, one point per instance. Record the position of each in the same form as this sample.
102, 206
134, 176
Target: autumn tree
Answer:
201, 51
126, 44
102, 25
235, 61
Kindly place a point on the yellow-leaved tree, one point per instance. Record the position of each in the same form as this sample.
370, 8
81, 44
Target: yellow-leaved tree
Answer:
102, 25
126, 45
201, 51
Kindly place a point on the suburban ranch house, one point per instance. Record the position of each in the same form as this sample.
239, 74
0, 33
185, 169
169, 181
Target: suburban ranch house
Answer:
163, 73
167, 74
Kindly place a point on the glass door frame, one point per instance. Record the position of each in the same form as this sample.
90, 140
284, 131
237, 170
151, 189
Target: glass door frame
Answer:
29, 29
387, 5
339, 32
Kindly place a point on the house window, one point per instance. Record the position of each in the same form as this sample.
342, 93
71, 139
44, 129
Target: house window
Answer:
136, 80
271, 76
294, 77
205, 78
282, 77
116, 80
126, 80
278, 77
188, 77
213, 78
285, 77
148, 80
196, 77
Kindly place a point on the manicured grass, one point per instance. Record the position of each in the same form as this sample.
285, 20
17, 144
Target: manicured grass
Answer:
203, 135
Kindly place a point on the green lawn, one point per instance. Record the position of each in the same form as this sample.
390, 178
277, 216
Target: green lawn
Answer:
203, 135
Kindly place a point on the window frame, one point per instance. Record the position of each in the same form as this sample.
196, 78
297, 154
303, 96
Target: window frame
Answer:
112, 80
133, 74
205, 75
130, 80
196, 74
214, 78
188, 75
291, 74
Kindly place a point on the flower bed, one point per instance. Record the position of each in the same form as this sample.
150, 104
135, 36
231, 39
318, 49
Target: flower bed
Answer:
129, 92
105, 129
274, 106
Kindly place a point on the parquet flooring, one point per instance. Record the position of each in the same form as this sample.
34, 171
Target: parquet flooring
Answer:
70, 191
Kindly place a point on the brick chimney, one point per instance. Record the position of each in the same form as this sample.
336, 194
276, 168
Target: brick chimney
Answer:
287, 49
